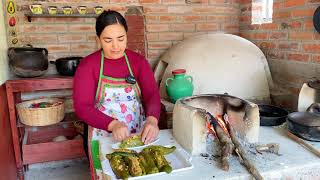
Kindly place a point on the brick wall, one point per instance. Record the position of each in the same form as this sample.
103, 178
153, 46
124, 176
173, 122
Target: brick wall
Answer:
290, 42
166, 23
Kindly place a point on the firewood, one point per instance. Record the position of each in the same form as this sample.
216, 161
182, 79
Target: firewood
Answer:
226, 144
242, 154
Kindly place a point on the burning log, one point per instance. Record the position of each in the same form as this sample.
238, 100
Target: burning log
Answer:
224, 140
229, 141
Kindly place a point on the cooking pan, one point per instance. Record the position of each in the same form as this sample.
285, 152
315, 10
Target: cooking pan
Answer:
28, 61
305, 125
316, 19
272, 115
67, 66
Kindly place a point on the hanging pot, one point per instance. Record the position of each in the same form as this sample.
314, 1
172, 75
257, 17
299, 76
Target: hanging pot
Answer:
272, 115
316, 19
305, 125
28, 61
67, 66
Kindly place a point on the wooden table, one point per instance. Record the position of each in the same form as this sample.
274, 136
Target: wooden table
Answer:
33, 144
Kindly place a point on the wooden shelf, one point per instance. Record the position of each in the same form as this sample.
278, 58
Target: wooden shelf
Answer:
69, 118
88, 15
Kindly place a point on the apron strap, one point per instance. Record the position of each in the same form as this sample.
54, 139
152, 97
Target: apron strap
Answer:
128, 64
100, 74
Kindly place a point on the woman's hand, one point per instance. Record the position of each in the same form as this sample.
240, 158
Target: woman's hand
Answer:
119, 130
150, 130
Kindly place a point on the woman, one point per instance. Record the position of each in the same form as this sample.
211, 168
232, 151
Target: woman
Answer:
114, 88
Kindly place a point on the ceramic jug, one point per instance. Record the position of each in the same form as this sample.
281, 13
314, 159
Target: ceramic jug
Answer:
179, 86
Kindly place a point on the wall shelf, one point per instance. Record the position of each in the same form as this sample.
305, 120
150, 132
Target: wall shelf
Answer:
88, 15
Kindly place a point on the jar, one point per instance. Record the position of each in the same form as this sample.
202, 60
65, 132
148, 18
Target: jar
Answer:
179, 86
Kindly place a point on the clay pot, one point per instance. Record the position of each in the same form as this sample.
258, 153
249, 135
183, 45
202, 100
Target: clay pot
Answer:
28, 61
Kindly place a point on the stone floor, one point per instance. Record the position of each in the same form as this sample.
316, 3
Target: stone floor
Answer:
77, 169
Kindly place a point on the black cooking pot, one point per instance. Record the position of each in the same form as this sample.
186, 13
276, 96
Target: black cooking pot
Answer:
28, 61
305, 125
272, 115
316, 19
67, 66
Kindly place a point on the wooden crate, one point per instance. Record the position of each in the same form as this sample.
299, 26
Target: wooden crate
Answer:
38, 146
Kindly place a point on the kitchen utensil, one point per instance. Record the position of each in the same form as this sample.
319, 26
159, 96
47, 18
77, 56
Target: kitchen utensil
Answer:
179, 86
28, 61
52, 10
305, 125
304, 144
67, 66
272, 115
309, 93
67, 10
316, 19
82, 9
98, 9
36, 8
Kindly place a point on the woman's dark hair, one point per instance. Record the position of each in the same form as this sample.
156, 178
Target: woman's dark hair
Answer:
108, 18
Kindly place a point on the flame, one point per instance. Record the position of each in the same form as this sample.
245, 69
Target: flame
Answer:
222, 124
211, 129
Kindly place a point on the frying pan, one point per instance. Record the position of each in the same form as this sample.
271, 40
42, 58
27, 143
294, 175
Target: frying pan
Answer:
272, 115
316, 19
305, 125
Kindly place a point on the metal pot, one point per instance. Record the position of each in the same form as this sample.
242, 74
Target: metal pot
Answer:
28, 61
272, 115
305, 125
316, 19
67, 66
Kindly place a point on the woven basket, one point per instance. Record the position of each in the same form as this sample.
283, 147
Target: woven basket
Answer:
40, 116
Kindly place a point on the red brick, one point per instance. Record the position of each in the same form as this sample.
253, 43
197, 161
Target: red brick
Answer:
300, 35
52, 28
267, 45
230, 27
151, 18
219, 18
269, 26
288, 46
72, 38
91, 37
298, 57
306, 12
81, 28
155, 9
167, 18
150, 1
152, 37
186, 35
136, 31
295, 25
159, 45
182, 27
292, 3
43, 39
155, 53
29, 28
245, 18
179, 9
207, 27
157, 27
275, 55
173, 2
278, 35
316, 58
256, 36
70, 20
315, 48
54, 48
308, 24
170, 36
281, 15
193, 18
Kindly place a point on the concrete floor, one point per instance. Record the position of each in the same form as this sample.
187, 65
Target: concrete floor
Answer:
77, 169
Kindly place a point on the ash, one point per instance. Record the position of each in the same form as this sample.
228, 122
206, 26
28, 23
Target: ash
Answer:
263, 160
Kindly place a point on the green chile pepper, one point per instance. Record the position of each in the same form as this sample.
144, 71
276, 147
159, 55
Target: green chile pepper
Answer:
119, 167
163, 150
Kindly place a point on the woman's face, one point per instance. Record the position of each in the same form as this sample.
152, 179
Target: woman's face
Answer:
113, 40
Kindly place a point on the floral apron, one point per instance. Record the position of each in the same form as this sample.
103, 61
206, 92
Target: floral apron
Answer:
119, 98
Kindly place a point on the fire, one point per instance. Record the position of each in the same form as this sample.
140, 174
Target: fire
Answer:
221, 122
